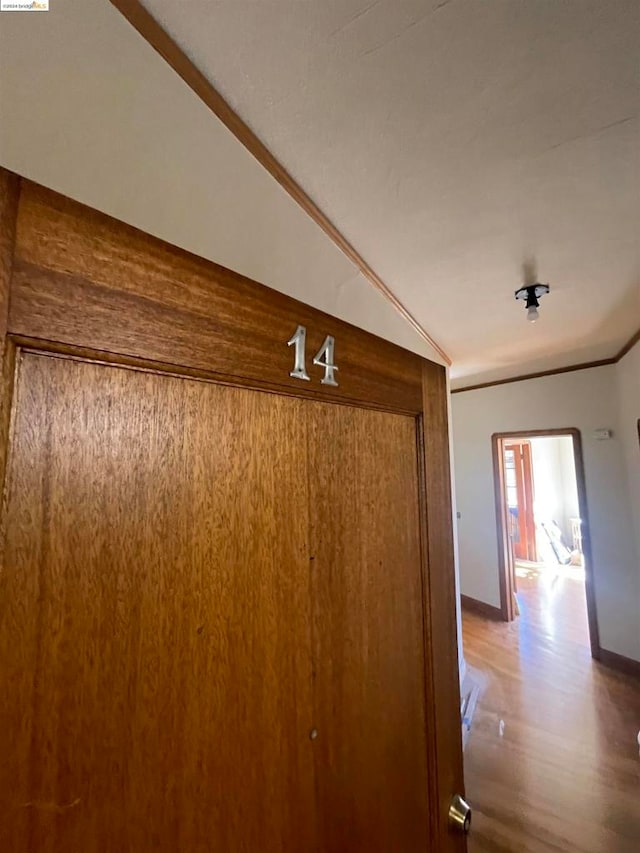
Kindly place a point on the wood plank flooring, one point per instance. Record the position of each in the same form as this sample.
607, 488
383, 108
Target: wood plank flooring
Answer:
565, 773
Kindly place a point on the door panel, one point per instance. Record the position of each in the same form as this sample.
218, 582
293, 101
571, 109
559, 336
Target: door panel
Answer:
519, 492
155, 621
368, 632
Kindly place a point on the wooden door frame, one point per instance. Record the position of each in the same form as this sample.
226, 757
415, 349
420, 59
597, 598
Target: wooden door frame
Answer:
76, 283
505, 562
528, 489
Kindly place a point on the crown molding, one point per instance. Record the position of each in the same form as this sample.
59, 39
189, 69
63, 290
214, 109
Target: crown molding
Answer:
633, 340
162, 43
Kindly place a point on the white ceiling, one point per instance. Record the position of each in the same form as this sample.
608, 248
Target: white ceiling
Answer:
89, 109
451, 142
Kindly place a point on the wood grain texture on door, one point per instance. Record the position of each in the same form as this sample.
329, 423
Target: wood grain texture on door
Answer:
155, 617
85, 280
167, 646
368, 632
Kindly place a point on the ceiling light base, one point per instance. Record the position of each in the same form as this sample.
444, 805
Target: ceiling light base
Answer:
531, 293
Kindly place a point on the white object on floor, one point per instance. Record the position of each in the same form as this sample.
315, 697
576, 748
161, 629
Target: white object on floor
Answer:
470, 692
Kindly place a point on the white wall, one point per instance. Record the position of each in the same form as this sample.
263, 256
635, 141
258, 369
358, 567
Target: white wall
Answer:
462, 665
587, 400
569, 486
554, 482
628, 386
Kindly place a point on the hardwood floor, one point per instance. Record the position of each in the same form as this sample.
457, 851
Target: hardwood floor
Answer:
564, 775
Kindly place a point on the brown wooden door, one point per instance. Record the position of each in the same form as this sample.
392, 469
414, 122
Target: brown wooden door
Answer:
227, 615
369, 663
163, 534
519, 494
155, 634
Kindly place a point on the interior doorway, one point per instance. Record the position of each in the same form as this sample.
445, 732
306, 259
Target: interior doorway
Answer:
542, 518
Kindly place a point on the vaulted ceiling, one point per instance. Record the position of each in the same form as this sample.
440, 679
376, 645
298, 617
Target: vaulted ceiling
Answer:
460, 146
453, 142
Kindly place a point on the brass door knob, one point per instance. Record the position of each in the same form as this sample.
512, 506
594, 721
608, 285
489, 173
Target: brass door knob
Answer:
460, 814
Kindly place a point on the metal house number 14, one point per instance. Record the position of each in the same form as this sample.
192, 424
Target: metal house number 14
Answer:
324, 357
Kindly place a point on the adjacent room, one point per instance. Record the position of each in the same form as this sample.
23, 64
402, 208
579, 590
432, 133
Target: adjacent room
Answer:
546, 472
544, 558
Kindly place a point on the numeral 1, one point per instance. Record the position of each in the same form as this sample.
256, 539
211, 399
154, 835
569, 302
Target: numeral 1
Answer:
299, 340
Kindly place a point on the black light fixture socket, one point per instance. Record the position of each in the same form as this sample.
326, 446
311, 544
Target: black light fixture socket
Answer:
532, 292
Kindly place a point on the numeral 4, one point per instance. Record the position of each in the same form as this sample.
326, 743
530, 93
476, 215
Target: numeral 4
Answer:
326, 352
